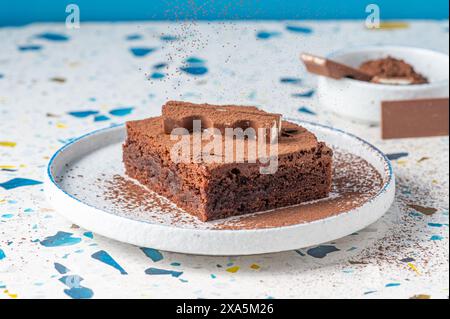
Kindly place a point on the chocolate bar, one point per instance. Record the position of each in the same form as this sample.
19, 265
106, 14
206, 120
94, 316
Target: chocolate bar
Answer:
414, 118
332, 69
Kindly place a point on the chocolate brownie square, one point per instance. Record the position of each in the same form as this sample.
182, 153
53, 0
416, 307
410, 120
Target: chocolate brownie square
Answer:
213, 190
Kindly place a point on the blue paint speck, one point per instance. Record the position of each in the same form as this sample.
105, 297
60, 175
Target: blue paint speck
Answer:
305, 110
392, 284
290, 80
50, 36
159, 66
321, 251
60, 239
19, 182
157, 271
168, 38
306, 94
407, 260
123, 111
61, 268
396, 156
2, 254
194, 60
88, 234
101, 118
30, 47
194, 70
76, 291
82, 114
157, 76
299, 29
436, 237
195, 66
106, 258
153, 254
132, 37
141, 51
435, 225
7, 215
265, 35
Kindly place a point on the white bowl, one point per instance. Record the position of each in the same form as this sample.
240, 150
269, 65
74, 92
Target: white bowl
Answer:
361, 101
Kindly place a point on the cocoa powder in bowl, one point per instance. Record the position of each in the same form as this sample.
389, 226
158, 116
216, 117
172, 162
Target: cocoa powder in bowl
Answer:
390, 68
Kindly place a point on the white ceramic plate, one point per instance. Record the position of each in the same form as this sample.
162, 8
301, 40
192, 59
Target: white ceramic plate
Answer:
80, 199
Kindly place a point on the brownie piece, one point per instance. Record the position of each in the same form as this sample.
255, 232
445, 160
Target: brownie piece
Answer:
217, 190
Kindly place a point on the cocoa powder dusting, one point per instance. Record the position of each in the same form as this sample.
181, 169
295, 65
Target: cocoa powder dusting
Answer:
355, 181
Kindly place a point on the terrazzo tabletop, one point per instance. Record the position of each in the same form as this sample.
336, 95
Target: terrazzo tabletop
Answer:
57, 84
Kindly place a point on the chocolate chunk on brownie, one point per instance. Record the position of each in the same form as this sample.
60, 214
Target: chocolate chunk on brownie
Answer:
221, 188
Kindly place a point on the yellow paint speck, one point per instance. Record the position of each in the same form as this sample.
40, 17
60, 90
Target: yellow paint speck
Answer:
61, 125
414, 268
14, 296
2, 201
255, 266
22, 165
434, 181
392, 25
8, 144
233, 269
401, 162
421, 296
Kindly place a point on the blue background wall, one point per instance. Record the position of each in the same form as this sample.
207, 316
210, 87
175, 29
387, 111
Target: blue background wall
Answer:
19, 12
